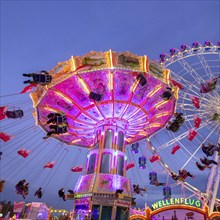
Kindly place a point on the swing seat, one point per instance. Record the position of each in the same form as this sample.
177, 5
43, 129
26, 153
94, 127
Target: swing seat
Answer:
152, 177
15, 114
42, 79
179, 120
167, 95
174, 127
181, 178
60, 119
134, 148
61, 129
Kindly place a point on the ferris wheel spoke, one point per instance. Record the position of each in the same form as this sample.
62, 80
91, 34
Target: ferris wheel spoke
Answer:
190, 118
192, 155
192, 88
192, 72
190, 109
188, 152
178, 138
187, 84
192, 188
199, 95
205, 65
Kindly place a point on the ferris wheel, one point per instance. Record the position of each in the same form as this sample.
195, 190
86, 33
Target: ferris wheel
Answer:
181, 146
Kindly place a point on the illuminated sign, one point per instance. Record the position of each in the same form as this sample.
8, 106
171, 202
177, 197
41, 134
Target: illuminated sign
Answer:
177, 201
78, 196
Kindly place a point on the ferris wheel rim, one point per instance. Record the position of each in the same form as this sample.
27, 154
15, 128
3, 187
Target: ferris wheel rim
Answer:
190, 51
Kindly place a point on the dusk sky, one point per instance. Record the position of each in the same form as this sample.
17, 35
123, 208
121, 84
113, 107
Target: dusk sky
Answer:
36, 35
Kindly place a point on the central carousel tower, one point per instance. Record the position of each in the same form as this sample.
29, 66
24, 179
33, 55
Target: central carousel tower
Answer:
110, 100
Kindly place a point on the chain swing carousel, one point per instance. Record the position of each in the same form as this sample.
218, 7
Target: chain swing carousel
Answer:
107, 100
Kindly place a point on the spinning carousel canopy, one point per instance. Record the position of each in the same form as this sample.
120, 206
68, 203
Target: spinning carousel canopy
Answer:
106, 88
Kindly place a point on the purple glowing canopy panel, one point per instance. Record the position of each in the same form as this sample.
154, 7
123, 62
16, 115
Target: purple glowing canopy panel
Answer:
102, 183
129, 89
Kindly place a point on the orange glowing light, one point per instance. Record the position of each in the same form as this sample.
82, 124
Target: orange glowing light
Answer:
85, 88
63, 96
73, 64
150, 94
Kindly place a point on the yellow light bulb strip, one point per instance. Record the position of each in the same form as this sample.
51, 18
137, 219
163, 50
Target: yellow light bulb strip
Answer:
74, 141
61, 95
73, 64
150, 94
160, 103
110, 57
134, 85
84, 86
162, 114
110, 81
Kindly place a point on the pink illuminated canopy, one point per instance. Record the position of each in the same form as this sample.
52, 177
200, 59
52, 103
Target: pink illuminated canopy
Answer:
137, 108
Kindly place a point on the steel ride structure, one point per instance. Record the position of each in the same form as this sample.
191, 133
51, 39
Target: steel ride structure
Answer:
110, 100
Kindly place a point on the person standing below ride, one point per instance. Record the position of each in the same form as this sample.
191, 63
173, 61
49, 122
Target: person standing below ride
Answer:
20, 186
209, 151
207, 162
38, 193
201, 167
25, 190
2, 183
167, 94
61, 194
44, 78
